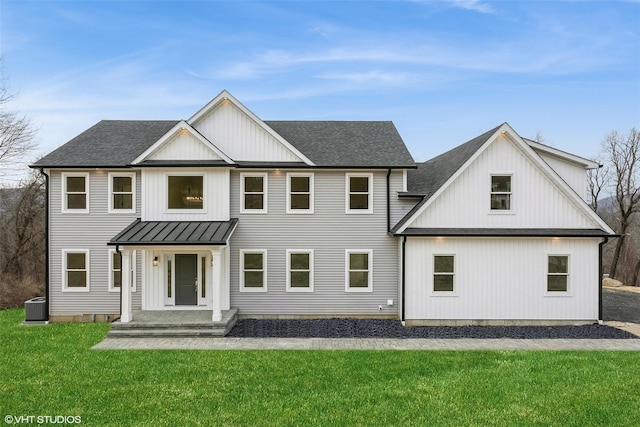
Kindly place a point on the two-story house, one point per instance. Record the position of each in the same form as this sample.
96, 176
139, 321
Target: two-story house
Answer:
316, 219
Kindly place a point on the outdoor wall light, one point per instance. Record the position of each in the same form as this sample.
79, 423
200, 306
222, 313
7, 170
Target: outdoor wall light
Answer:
155, 261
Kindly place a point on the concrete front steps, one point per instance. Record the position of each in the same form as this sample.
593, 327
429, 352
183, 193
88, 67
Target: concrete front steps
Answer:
166, 324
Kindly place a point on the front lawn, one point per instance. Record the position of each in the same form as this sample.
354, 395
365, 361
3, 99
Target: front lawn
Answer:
50, 370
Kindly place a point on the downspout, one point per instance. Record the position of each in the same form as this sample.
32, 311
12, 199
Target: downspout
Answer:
600, 274
120, 253
46, 243
404, 268
388, 201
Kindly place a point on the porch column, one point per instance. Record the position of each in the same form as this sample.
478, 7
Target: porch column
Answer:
126, 315
216, 276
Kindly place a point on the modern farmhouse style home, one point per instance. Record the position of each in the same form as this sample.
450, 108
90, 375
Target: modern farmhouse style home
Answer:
226, 213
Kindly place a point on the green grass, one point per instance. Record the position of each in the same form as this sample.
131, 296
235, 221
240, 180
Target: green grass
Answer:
50, 370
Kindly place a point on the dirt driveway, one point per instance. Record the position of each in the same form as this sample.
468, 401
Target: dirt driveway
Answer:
621, 305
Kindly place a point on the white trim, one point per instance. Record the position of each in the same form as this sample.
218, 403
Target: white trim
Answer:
347, 270
168, 137
87, 260
563, 155
311, 193
168, 210
511, 210
169, 301
265, 192
547, 292
132, 272
87, 187
131, 175
264, 270
311, 272
347, 198
433, 292
224, 97
404, 181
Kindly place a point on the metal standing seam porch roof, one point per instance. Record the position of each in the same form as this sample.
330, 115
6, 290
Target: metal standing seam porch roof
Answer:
156, 233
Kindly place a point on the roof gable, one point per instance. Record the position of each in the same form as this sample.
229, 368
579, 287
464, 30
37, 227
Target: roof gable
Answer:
181, 143
241, 134
462, 185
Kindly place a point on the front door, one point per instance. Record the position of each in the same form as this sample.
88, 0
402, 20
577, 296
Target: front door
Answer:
186, 279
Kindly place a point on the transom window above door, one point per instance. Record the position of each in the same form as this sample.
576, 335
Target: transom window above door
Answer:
185, 191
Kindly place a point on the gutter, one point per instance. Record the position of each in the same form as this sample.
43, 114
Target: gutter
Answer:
600, 274
46, 243
388, 201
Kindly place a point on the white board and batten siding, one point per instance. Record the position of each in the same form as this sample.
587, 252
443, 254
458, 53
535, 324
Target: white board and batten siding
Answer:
216, 195
502, 278
184, 146
87, 231
329, 232
536, 201
573, 174
240, 137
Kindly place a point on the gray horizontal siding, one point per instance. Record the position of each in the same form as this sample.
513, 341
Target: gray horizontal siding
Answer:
329, 232
87, 231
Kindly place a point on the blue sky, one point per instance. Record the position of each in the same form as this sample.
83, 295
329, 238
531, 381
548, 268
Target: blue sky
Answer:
442, 71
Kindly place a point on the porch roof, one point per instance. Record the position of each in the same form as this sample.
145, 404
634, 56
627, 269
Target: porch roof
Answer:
155, 233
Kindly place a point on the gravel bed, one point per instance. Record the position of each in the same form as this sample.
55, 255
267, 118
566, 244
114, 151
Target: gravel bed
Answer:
374, 328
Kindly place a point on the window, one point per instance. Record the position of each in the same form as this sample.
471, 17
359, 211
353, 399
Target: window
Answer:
359, 193
558, 273
75, 266
115, 271
122, 192
253, 193
253, 271
500, 192
359, 270
185, 191
300, 193
443, 273
75, 192
300, 271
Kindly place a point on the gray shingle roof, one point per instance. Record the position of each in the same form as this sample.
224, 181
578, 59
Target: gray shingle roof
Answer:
346, 143
176, 233
113, 143
108, 143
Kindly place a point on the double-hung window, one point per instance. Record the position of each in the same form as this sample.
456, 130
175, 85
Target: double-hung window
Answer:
299, 193
443, 273
75, 192
122, 187
359, 194
558, 273
300, 270
253, 270
253, 193
501, 193
359, 270
75, 270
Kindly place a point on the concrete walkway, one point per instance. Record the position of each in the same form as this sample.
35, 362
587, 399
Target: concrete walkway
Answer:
365, 344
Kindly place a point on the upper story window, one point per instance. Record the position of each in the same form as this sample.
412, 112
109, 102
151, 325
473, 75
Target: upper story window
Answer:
75, 192
359, 270
75, 266
359, 193
501, 192
558, 273
299, 193
185, 191
253, 193
122, 187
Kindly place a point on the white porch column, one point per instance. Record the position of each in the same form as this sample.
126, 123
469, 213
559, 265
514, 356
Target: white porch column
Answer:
126, 315
216, 277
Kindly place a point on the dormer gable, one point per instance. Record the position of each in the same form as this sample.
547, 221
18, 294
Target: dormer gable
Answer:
182, 143
241, 134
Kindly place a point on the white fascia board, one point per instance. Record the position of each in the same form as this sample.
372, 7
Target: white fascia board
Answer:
182, 125
563, 155
452, 178
225, 96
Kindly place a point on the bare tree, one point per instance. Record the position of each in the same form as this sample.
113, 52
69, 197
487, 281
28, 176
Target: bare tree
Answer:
597, 180
623, 153
17, 134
